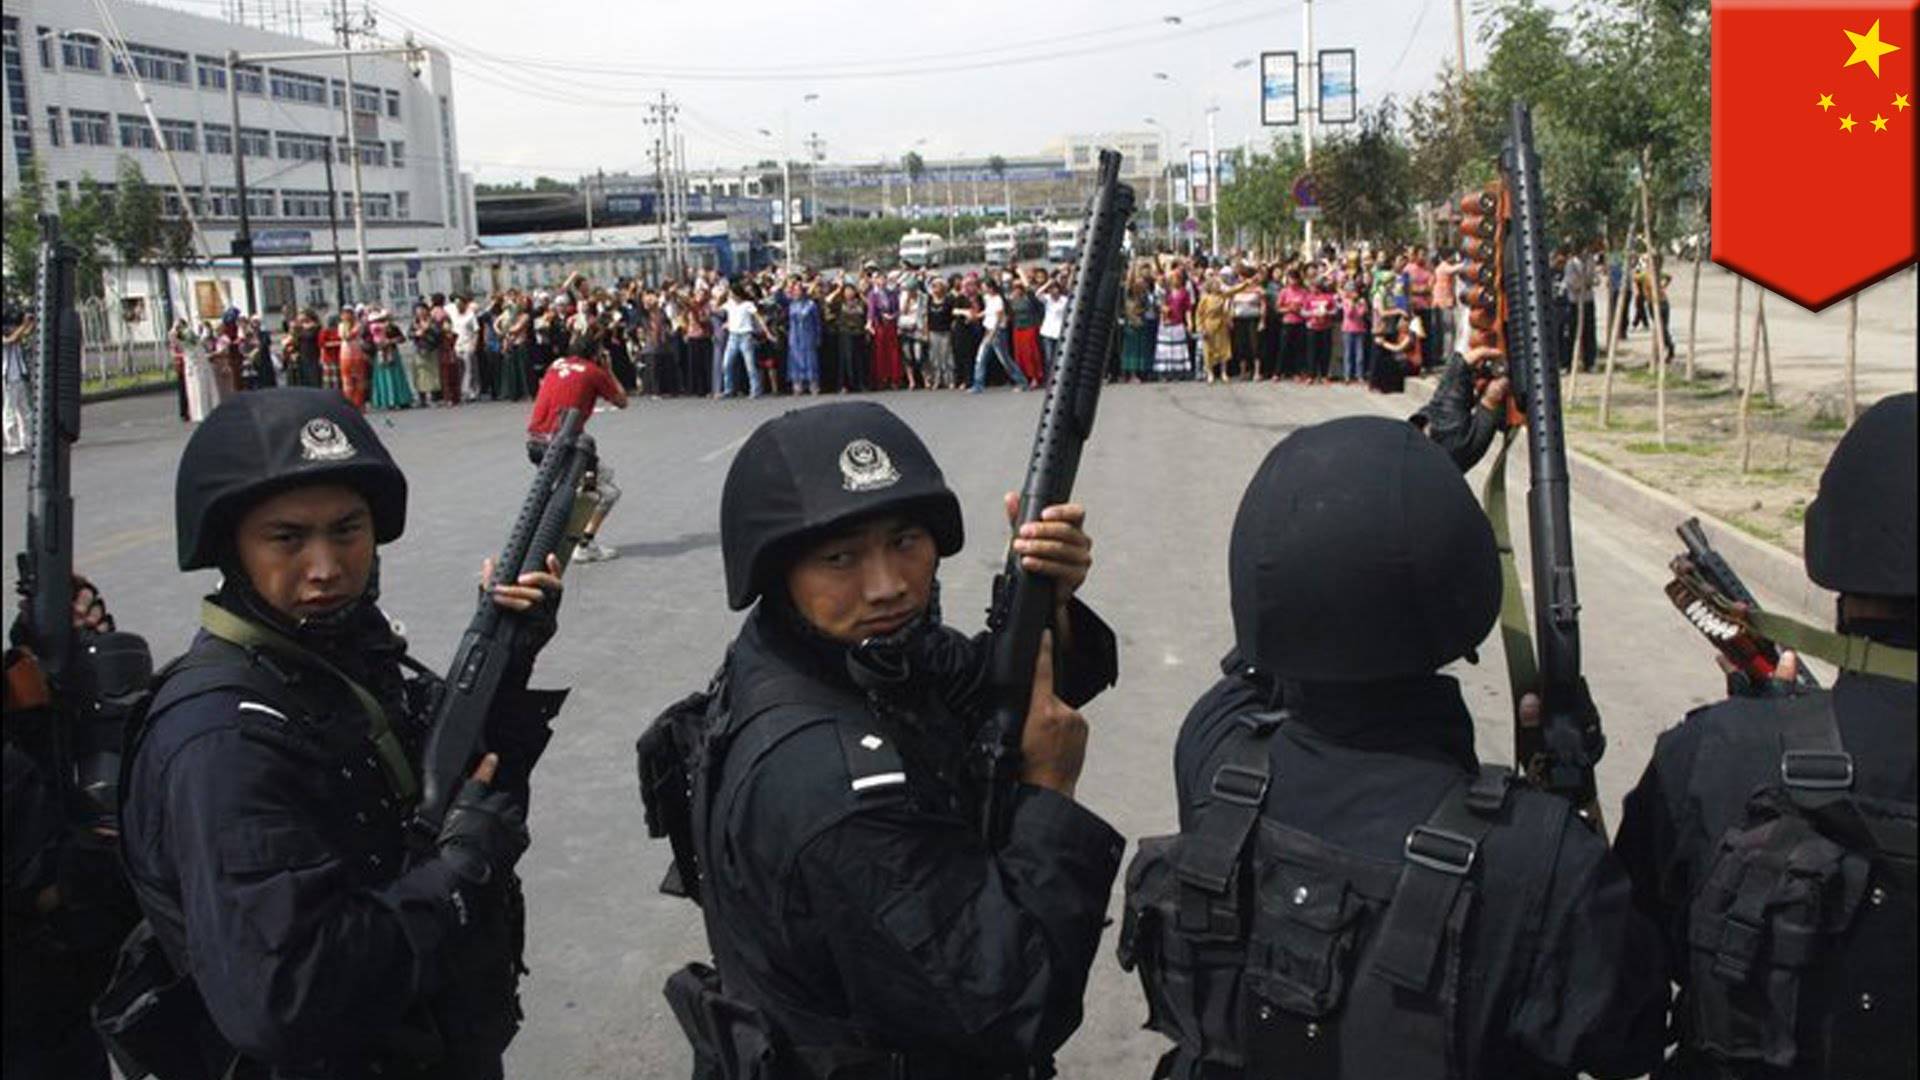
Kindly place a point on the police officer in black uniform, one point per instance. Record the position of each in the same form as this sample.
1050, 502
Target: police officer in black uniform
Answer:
268, 789
67, 903
860, 926
1772, 835
1352, 892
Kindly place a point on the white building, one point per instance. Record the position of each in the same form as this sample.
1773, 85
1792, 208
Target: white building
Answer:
1139, 152
73, 111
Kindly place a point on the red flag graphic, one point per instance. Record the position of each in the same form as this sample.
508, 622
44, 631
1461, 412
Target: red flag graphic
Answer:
1813, 143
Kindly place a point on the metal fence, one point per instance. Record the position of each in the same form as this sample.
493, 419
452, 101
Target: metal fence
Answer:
106, 362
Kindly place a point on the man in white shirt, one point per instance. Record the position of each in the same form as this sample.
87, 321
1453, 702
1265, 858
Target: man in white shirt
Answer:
743, 322
993, 326
465, 322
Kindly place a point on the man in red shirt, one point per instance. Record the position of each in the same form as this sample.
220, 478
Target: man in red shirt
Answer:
576, 382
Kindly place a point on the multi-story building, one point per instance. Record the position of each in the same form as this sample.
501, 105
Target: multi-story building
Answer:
1139, 152
73, 112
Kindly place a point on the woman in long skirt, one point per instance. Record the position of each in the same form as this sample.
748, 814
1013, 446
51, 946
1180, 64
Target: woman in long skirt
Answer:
803, 341
883, 322
203, 382
1136, 332
390, 389
515, 380
1171, 358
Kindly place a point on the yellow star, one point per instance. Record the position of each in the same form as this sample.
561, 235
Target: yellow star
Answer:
1900, 102
1868, 48
1825, 102
1879, 122
1846, 122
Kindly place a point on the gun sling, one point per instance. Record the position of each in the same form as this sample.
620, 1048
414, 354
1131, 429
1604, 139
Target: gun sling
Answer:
251, 636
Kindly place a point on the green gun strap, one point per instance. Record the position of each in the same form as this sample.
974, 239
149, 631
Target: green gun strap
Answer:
1516, 630
227, 626
1848, 652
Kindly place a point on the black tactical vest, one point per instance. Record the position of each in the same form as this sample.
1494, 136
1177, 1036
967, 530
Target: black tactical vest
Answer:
1801, 932
1266, 952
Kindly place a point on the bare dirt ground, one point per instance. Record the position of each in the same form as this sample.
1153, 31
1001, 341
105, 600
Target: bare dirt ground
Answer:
1793, 430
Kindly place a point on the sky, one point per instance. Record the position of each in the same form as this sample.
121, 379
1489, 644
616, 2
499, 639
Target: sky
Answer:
559, 88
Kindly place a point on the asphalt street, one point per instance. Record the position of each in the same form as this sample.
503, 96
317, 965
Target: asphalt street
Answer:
1161, 479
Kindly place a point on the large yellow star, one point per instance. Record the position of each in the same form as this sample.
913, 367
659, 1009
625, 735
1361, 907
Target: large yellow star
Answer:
1868, 48
1900, 102
1846, 123
1825, 102
1879, 122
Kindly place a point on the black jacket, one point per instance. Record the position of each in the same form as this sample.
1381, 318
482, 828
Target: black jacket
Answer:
266, 847
1564, 975
858, 907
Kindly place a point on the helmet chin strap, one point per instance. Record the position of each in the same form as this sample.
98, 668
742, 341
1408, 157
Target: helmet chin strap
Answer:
324, 631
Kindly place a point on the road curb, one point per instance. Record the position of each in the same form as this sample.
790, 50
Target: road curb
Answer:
116, 394
1777, 575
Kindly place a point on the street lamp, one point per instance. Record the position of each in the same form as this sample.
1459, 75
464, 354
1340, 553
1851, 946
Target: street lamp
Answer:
1166, 174
786, 193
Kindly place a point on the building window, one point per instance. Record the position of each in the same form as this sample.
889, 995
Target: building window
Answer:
155, 65
393, 104
397, 154
249, 79
135, 134
55, 136
89, 128
373, 153
293, 86
262, 202
19, 115
291, 147
303, 204
402, 205
178, 135
45, 37
79, 52
211, 72
219, 138
256, 142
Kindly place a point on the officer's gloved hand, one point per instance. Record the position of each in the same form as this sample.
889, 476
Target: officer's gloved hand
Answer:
1784, 683
485, 831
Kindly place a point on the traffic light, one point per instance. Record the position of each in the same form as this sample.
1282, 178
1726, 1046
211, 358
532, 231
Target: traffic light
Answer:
1483, 228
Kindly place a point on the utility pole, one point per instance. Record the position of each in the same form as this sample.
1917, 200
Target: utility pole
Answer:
586, 183
1460, 44
686, 219
1213, 183
1312, 108
243, 242
333, 230
367, 285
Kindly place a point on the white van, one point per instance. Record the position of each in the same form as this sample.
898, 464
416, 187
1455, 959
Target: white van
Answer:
1001, 245
923, 249
1063, 241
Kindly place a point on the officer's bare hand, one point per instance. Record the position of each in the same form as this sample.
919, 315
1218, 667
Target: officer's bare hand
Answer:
1057, 545
532, 589
1053, 746
1495, 393
89, 609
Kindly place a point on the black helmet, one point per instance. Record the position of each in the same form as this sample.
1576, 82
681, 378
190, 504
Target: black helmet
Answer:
1359, 555
809, 470
264, 442
1860, 528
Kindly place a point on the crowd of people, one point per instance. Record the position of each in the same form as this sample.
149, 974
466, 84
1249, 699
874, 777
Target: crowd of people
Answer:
1359, 315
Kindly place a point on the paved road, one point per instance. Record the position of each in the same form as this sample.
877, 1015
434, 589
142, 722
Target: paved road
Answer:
1162, 479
